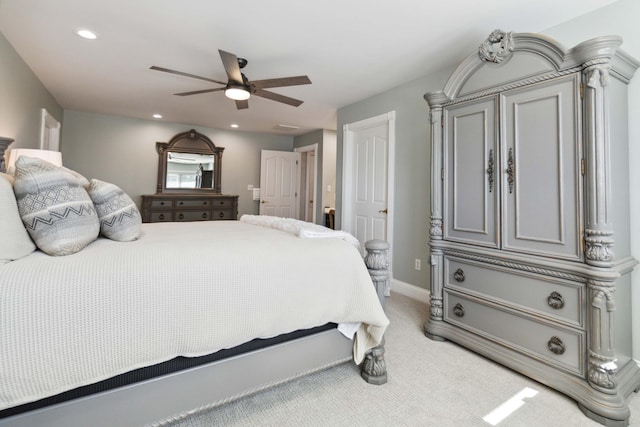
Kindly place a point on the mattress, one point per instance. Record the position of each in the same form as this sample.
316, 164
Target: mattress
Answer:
182, 289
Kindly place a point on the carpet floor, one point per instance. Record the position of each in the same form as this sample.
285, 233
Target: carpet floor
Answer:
430, 384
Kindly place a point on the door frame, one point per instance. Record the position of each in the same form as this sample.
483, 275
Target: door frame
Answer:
306, 149
348, 186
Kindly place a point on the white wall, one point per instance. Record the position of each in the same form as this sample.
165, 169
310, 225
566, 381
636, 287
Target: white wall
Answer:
621, 19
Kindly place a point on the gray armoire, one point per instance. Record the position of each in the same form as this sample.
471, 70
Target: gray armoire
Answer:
529, 234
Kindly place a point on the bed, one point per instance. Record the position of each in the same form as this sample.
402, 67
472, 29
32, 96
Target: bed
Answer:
185, 317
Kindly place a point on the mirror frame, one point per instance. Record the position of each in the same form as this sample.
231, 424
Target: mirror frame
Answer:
193, 142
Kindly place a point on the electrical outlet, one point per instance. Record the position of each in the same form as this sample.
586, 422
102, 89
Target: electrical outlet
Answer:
418, 264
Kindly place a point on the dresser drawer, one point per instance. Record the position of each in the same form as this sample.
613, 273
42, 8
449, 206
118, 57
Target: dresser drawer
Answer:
562, 300
223, 214
192, 215
193, 203
553, 344
221, 202
160, 216
161, 203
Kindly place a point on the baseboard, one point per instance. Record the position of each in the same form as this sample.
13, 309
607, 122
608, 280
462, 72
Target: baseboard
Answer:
409, 290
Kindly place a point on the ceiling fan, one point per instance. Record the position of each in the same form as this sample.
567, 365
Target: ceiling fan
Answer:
239, 87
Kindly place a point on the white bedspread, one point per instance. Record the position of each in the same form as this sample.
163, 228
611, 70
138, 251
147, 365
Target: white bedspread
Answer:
182, 289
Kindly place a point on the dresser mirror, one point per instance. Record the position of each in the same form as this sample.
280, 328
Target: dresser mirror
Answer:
189, 163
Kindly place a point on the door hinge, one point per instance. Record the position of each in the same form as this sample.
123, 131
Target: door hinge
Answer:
442, 120
582, 166
441, 174
581, 90
296, 162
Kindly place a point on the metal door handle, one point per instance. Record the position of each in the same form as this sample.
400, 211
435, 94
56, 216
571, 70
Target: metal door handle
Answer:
263, 201
511, 171
383, 211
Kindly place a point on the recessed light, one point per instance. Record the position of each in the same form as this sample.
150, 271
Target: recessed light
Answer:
86, 34
157, 116
233, 125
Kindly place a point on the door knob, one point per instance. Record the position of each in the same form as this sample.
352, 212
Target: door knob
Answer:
382, 211
263, 201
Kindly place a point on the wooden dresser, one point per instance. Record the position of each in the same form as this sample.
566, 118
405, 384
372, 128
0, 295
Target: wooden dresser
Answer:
189, 207
529, 199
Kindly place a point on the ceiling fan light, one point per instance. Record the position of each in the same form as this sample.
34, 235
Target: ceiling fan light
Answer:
237, 93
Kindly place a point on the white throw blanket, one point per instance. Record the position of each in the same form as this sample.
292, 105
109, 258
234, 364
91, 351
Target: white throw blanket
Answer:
182, 289
299, 228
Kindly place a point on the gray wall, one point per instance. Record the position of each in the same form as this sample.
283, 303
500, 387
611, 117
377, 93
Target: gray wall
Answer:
122, 151
23, 97
412, 157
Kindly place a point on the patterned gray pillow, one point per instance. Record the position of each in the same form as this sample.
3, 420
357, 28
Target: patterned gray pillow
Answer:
55, 209
119, 216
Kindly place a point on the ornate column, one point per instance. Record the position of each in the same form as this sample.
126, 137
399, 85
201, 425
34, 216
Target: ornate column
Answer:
602, 357
599, 239
374, 367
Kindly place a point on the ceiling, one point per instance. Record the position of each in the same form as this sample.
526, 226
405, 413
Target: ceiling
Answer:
350, 49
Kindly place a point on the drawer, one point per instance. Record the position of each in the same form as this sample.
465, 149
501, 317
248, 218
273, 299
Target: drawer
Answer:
198, 203
553, 344
223, 214
161, 203
195, 215
161, 216
561, 300
225, 202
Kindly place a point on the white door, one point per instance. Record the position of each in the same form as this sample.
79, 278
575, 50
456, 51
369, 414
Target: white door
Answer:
368, 179
279, 171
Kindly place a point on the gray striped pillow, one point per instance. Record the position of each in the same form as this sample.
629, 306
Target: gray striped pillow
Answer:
55, 209
119, 216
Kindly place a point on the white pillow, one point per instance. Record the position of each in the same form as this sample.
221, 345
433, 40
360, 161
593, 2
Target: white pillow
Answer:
55, 209
119, 216
16, 242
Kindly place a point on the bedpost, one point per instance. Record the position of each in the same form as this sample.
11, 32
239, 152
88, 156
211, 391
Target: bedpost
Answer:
374, 367
4, 144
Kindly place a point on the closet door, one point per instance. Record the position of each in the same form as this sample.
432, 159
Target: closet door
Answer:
471, 178
541, 164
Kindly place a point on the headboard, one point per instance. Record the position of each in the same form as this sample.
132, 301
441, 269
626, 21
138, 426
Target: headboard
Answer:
4, 144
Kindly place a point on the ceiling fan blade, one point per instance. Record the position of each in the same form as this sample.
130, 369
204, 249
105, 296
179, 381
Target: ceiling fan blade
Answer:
283, 81
243, 104
180, 73
230, 62
196, 92
277, 97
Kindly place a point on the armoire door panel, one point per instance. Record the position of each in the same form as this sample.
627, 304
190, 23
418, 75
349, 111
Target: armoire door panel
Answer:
470, 188
541, 192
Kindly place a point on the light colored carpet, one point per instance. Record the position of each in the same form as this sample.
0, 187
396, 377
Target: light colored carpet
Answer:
430, 384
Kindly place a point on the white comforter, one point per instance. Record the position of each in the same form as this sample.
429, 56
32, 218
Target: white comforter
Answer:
182, 289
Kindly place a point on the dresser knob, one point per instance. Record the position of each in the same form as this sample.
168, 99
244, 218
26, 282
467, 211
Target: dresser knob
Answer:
555, 300
181, 216
181, 203
221, 215
161, 216
204, 215
555, 345
458, 310
459, 275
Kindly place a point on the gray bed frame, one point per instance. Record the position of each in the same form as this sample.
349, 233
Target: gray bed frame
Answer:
162, 400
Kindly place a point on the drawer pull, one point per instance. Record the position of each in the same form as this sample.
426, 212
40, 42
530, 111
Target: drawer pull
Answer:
161, 216
204, 215
459, 275
161, 203
181, 203
458, 310
180, 216
555, 300
221, 215
555, 345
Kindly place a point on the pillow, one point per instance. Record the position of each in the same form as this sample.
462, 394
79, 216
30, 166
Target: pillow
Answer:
16, 242
55, 209
119, 216
84, 182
